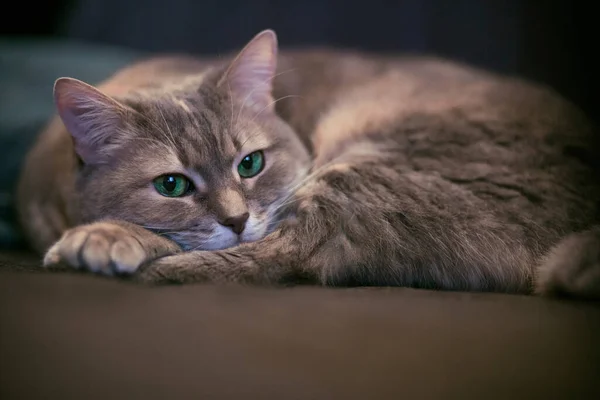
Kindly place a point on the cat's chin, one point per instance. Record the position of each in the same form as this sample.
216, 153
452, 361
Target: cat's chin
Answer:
224, 238
224, 241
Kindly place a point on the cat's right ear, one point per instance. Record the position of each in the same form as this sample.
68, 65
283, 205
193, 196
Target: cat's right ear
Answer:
250, 75
92, 118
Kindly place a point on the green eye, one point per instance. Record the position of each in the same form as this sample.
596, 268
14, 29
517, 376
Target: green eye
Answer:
251, 165
172, 185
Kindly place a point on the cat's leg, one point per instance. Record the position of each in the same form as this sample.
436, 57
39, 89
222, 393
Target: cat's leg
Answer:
371, 225
108, 247
572, 267
271, 260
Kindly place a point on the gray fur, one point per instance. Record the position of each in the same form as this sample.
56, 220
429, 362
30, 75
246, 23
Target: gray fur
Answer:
381, 171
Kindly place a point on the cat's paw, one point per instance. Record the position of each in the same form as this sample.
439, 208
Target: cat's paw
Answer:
101, 247
573, 267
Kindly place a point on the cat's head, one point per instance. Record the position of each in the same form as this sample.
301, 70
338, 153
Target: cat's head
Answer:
207, 163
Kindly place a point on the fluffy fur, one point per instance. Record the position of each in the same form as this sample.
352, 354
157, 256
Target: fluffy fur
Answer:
379, 171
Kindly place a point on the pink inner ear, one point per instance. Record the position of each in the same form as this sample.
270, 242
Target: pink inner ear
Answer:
251, 74
91, 117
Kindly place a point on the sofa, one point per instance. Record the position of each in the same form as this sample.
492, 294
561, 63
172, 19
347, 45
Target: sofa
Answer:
78, 336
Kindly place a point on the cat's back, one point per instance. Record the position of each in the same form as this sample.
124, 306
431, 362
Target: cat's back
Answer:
415, 82
351, 92
523, 149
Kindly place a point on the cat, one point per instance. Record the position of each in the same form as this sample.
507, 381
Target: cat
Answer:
318, 166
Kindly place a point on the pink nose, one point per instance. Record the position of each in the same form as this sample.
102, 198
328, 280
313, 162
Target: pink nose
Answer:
237, 223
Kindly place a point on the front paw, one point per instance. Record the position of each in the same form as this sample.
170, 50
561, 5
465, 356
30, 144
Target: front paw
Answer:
102, 247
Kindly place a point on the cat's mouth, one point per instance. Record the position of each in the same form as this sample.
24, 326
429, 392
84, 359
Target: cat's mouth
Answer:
219, 238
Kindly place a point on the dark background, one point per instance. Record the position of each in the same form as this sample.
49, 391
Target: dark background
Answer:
547, 41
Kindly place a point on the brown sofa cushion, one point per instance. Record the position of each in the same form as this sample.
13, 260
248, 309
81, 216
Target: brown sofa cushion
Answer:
78, 336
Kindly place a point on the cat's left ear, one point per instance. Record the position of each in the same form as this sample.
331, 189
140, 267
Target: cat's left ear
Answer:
92, 118
250, 75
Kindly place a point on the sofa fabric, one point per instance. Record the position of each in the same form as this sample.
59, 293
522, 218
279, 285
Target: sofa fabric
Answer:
78, 336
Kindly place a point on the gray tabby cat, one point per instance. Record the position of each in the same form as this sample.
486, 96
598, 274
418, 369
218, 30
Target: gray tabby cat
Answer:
334, 168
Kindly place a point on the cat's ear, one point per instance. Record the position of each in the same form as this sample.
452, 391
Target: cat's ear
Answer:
250, 75
92, 118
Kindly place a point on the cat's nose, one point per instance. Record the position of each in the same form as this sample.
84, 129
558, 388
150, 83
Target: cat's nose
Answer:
237, 223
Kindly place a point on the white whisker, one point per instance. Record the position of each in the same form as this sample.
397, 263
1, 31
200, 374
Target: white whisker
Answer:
254, 134
168, 128
231, 101
273, 102
256, 87
257, 131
